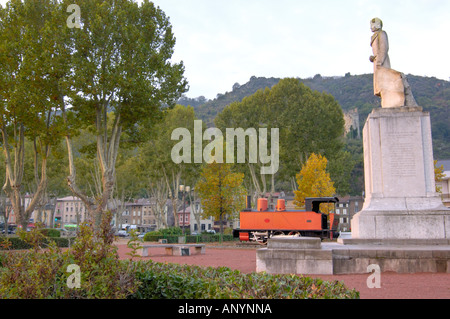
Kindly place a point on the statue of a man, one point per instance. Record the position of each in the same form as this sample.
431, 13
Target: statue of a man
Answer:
380, 47
392, 86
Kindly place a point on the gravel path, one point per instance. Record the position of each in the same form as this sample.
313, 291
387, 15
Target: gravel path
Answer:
393, 285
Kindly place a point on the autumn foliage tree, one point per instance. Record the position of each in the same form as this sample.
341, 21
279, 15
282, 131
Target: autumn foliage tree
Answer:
438, 175
221, 191
313, 180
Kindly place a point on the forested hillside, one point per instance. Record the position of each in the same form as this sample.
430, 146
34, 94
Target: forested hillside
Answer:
351, 91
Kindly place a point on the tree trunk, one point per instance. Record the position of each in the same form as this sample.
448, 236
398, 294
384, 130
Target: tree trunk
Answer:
174, 194
197, 213
14, 176
107, 152
221, 223
4, 212
159, 192
52, 217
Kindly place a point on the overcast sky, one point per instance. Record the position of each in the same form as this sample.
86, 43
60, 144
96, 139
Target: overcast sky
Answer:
222, 42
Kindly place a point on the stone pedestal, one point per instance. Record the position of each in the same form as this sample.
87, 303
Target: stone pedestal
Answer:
294, 255
308, 256
401, 200
403, 226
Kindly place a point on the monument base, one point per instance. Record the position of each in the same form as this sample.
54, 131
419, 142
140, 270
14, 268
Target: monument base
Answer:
403, 225
394, 242
308, 256
401, 200
294, 255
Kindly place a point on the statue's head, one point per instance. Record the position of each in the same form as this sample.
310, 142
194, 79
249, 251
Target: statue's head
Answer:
376, 24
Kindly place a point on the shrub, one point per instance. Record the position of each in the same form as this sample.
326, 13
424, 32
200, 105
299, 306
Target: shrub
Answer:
51, 232
103, 275
16, 243
172, 234
152, 236
172, 281
30, 274
208, 238
60, 241
42, 273
203, 238
171, 231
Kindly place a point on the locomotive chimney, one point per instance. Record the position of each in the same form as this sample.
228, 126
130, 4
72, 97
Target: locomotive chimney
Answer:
249, 204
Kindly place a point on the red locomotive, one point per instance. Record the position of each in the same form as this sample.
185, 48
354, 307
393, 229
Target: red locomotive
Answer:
261, 224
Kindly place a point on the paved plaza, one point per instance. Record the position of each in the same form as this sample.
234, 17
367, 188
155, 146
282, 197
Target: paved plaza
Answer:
393, 285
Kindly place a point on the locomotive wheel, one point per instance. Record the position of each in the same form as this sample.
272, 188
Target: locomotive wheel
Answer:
260, 237
293, 233
277, 233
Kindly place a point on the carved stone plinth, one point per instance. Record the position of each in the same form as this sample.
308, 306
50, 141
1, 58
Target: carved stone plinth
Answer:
401, 200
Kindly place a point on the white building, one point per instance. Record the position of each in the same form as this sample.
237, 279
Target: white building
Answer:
188, 220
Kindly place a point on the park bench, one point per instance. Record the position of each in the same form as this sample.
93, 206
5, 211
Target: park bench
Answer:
174, 249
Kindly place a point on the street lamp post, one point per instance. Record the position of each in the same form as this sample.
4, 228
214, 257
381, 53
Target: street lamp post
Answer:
184, 190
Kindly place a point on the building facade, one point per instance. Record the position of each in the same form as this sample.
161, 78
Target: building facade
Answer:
139, 215
43, 213
69, 210
345, 210
205, 224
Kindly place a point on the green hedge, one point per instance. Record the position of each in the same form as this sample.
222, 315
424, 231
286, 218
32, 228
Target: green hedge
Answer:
61, 241
33, 274
153, 280
155, 238
18, 244
173, 281
151, 237
208, 238
50, 232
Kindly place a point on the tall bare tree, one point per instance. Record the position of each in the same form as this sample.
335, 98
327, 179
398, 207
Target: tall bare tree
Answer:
158, 193
28, 108
121, 67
